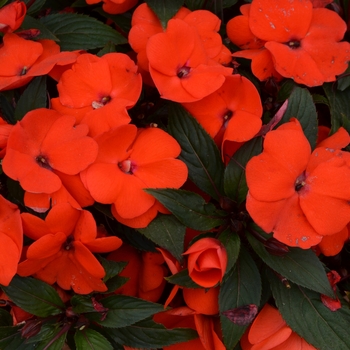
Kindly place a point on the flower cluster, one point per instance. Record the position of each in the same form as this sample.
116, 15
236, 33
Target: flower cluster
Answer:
155, 194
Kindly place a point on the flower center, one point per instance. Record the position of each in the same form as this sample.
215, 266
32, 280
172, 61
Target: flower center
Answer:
24, 70
126, 166
101, 103
183, 72
294, 44
68, 244
300, 182
43, 162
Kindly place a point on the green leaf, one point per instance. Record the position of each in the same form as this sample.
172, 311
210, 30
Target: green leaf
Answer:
194, 4
3, 3
108, 48
344, 83
7, 110
81, 32
35, 6
148, 334
199, 151
34, 296
305, 313
55, 343
5, 318
300, 266
10, 338
339, 106
90, 339
81, 304
235, 183
32, 23
189, 208
301, 107
164, 9
183, 279
232, 244
242, 286
33, 97
112, 268
124, 311
167, 232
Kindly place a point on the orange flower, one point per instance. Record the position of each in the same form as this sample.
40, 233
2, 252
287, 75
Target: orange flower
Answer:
130, 160
114, 6
203, 301
5, 130
146, 272
300, 196
22, 60
303, 41
63, 247
269, 331
207, 260
99, 90
12, 16
11, 240
180, 66
231, 113
238, 31
44, 142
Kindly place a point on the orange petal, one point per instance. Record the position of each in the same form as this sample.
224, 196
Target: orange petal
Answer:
203, 301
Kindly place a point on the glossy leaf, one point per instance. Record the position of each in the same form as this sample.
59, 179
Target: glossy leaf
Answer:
305, 313
111, 267
339, 106
124, 311
33, 97
168, 233
242, 286
148, 334
80, 32
300, 266
232, 244
235, 183
164, 9
90, 339
189, 208
34, 296
301, 107
199, 151
183, 279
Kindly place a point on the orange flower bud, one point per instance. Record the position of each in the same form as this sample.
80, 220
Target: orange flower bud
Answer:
207, 260
12, 16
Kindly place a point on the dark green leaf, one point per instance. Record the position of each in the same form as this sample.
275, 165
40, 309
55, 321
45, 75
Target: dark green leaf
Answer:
298, 265
235, 183
344, 83
189, 208
7, 109
81, 304
339, 106
242, 286
199, 151
232, 244
112, 268
305, 313
5, 318
124, 311
194, 4
115, 283
167, 232
32, 23
81, 32
35, 6
55, 343
165, 9
89, 339
34, 296
285, 90
183, 279
3, 2
301, 107
10, 338
148, 334
122, 21
320, 99
228, 3
108, 48
33, 97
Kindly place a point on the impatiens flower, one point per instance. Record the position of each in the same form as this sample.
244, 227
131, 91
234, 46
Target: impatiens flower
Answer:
206, 260
114, 6
11, 240
5, 130
22, 60
99, 90
42, 143
129, 161
304, 42
146, 272
179, 65
203, 301
63, 247
231, 113
300, 196
12, 16
269, 331
333, 304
